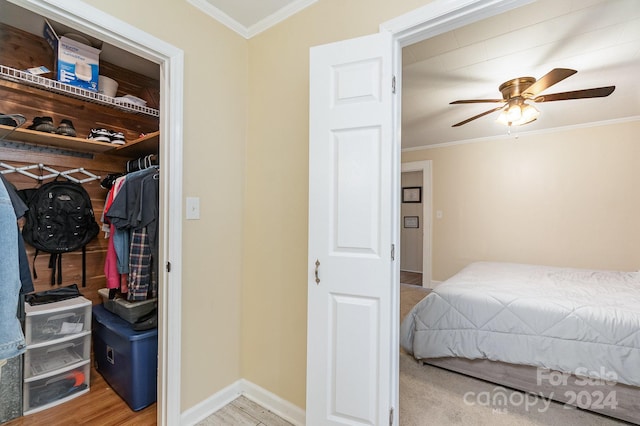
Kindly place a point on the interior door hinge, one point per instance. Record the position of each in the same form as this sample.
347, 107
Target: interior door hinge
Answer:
391, 417
393, 84
168, 266
393, 252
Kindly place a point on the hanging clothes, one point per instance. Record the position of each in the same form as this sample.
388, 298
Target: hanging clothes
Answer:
134, 214
115, 280
11, 337
20, 209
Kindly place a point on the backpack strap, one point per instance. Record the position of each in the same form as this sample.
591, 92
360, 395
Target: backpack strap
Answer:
59, 269
84, 266
35, 275
55, 264
52, 266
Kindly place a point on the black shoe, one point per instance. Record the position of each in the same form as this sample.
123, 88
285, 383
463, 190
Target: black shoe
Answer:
43, 124
6, 120
66, 128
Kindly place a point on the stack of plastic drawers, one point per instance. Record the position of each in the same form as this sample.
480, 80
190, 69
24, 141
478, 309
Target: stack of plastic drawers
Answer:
58, 356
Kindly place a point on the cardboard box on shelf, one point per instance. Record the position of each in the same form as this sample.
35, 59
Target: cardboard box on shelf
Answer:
75, 63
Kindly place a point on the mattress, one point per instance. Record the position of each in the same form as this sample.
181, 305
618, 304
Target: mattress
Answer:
578, 321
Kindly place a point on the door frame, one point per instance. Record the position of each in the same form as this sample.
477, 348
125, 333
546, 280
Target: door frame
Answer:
427, 213
170, 59
428, 21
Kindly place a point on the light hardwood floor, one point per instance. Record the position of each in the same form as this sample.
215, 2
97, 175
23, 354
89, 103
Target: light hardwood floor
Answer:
414, 278
103, 407
243, 412
100, 406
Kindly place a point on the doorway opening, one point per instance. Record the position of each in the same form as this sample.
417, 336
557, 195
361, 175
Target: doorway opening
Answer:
429, 21
416, 224
100, 25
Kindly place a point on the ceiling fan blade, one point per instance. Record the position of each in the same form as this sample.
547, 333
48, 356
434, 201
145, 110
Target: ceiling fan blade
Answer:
598, 92
475, 101
478, 116
554, 76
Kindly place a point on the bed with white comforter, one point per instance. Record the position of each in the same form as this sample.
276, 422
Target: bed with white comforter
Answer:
584, 322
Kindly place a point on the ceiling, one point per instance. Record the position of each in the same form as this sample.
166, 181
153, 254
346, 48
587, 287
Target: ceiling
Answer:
600, 39
250, 17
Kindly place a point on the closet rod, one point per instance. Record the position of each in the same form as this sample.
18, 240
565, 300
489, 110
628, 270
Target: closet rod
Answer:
24, 170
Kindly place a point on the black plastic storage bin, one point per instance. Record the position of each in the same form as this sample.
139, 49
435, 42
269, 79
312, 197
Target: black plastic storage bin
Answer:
127, 359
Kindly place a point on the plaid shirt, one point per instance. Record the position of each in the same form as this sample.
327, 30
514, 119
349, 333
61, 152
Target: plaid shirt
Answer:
139, 265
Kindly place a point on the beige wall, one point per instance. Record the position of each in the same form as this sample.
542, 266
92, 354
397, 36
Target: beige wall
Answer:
275, 262
568, 198
558, 199
215, 122
244, 297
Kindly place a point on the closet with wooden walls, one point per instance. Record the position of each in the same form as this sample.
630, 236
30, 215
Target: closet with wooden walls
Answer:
21, 50
20, 147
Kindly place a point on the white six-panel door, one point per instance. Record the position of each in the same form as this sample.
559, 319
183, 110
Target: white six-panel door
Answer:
351, 173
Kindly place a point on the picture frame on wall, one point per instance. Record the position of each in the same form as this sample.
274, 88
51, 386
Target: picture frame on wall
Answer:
412, 194
411, 222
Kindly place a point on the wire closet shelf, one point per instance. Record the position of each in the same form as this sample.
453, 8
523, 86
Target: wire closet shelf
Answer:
12, 74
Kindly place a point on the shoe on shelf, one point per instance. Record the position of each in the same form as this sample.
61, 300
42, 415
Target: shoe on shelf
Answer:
117, 138
66, 128
101, 135
7, 120
106, 135
43, 124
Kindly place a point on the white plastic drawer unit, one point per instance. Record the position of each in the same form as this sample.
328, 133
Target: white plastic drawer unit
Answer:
59, 320
45, 391
58, 357
43, 358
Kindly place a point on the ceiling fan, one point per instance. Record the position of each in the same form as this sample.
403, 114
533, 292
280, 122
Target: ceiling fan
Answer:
516, 111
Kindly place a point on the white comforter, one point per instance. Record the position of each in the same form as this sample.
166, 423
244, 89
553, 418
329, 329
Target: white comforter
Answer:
584, 322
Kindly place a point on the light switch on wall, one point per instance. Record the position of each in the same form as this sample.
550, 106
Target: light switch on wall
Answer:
193, 208
438, 214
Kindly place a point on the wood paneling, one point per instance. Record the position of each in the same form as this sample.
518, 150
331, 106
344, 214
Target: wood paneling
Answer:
96, 249
22, 50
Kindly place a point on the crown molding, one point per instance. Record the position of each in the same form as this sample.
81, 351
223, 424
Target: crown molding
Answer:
279, 16
220, 16
260, 26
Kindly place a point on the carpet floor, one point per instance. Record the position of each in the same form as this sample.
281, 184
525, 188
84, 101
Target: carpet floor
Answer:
434, 396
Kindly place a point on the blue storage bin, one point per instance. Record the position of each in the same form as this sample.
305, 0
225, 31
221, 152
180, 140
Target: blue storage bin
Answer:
127, 359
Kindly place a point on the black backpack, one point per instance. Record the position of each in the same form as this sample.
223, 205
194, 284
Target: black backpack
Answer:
60, 219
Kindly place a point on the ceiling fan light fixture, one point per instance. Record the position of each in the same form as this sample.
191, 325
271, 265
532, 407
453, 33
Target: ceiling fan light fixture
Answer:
529, 114
518, 114
513, 114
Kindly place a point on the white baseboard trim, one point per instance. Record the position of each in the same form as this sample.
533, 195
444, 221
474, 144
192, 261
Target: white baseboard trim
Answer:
257, 394
210, 405
272, 402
